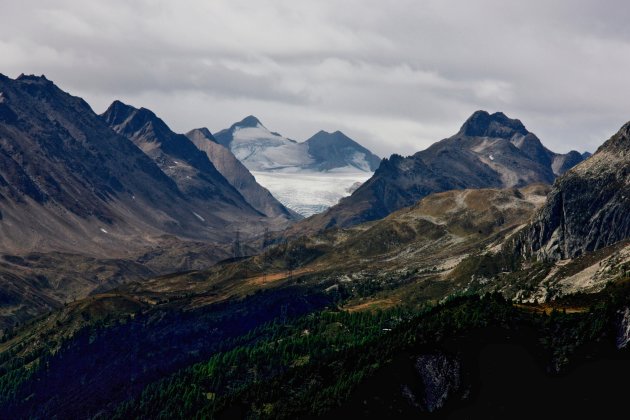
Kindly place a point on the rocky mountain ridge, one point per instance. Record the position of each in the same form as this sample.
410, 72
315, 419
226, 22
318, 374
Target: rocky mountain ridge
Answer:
174, 153
489, 151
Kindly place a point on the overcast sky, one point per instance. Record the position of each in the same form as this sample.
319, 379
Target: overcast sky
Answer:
394, 75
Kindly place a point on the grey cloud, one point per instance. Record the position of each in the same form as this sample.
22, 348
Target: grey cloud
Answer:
397, 75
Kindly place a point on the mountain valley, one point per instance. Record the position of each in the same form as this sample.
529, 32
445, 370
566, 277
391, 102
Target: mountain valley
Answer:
149, 274
297, 210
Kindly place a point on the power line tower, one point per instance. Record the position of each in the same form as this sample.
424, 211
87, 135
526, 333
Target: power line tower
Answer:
291, 267
265, 243
266, 239
237, 249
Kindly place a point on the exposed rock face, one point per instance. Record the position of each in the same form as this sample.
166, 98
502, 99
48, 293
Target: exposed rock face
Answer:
238, 175
623, 330
441, 377
562, 163
489, 151
588, 208
559, 163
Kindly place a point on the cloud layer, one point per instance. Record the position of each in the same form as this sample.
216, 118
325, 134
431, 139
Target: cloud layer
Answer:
395, 75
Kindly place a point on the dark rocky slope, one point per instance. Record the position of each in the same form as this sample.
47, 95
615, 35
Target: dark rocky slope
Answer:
69, 183
336, 150
175, 154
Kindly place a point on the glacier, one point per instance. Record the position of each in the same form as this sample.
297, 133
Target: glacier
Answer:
308, 193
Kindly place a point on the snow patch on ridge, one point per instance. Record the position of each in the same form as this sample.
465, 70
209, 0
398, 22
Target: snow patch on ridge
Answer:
260, 150
359, 160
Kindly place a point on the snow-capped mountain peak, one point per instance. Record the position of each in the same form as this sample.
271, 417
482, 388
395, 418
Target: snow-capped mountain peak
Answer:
305, 176
249, 121
262, 150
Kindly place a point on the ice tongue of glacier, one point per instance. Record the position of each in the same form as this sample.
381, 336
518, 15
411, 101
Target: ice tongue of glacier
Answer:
309, 193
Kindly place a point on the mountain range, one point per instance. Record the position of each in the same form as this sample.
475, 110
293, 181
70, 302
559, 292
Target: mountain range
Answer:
84, 207
489, 151
485, 275
305, 307
262, 150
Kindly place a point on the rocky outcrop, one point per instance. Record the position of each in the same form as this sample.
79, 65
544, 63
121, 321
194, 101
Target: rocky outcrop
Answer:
587, 209
623, 328
441, 378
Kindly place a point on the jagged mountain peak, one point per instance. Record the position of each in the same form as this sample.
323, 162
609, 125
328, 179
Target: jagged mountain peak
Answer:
205, 132
175, 154
33, 78
329, 133
39, 88
133, 119
335, 135
122, 111
248, 122
483, 124
118, 112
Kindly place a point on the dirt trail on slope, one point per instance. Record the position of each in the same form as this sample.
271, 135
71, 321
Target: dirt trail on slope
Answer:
269, 278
